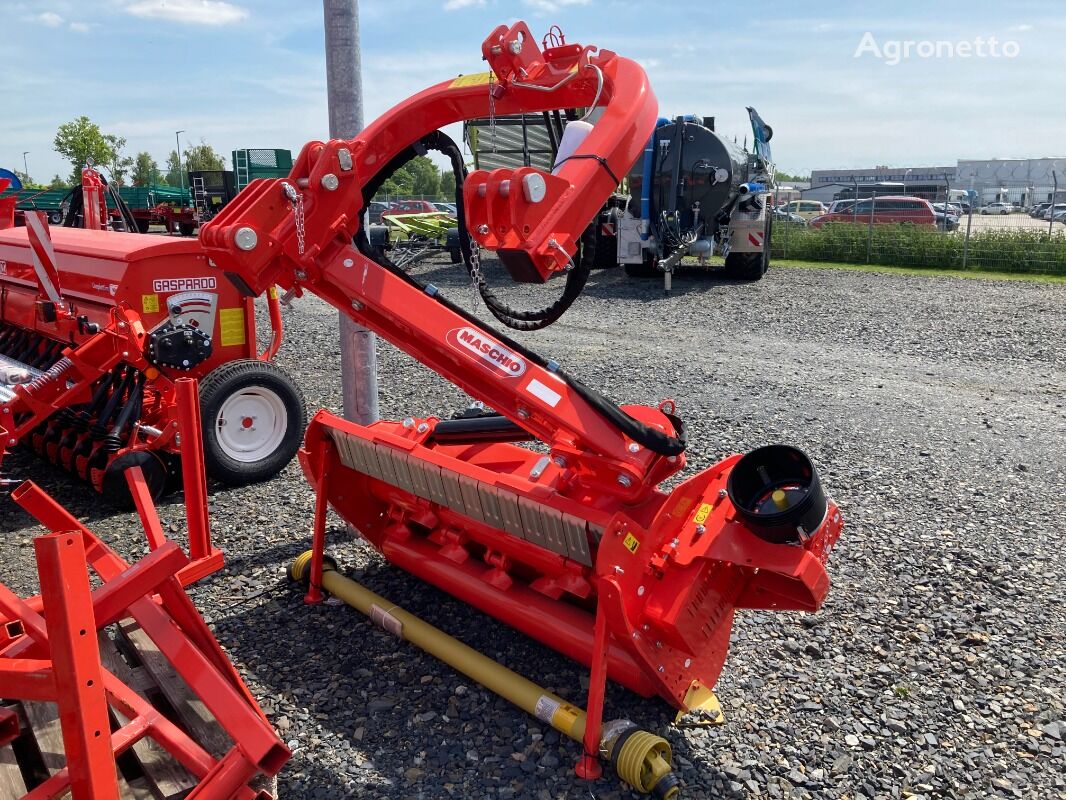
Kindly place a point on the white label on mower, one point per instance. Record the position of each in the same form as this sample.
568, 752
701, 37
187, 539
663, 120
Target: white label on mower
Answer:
386, 621
546, 708
542, 392
183, 284
492, 353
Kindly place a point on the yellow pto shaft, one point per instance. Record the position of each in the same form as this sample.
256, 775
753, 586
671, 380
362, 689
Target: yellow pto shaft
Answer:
641, 759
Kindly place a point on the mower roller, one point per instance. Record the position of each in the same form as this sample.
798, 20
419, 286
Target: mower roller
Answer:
571, 542
95, 327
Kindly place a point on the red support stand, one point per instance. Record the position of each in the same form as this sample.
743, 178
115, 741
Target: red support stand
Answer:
83, 714
318, 536
588, 767
206, 559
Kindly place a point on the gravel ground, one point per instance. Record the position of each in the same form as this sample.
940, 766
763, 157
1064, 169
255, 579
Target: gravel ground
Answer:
934, 408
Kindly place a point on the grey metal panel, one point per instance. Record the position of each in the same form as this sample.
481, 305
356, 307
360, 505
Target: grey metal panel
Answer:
451, 489
436, 485
368, 456
471, 498
385, 459
340, 444
532, 522
555, 539
490, 505
357, 453
512, 517
577, 540
400, 470
418, 477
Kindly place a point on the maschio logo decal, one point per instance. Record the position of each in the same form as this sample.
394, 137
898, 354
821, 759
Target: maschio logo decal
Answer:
182, 284
491, 353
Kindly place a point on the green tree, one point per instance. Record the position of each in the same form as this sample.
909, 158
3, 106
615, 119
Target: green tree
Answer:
59, 182
174, 171
27, 181
119, 165
79, 141
784, 176
425, 177
146, 170
203, 157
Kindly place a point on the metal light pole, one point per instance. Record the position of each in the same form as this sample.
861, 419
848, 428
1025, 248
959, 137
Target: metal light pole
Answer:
181, 173
25, 168
359, 357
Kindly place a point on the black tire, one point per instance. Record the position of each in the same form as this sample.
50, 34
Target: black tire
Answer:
240, 387
143, 225
751, 266
55, 217
455, 254
645, 269
186, 228
600, 250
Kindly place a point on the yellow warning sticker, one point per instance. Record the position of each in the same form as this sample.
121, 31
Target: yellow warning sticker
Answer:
231, 326
631, 543
474, 79
150, 303
702, 513
272, 292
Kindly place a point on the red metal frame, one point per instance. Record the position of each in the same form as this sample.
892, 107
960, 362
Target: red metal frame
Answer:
654, 609
55, 658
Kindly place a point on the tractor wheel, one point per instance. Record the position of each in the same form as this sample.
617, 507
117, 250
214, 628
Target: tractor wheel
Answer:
751, 266
645, 269
253, 419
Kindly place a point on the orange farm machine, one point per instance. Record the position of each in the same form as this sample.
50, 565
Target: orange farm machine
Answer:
95, 327
572, 540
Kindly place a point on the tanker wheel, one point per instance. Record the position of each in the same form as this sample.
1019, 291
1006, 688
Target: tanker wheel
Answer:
645, 269
253, 418
751, 266
186, 228
143, 225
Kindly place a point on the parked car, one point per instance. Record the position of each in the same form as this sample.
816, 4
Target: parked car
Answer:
839, 205
375, 210
1051, 211
1059, 216
1037, 211
954, 209
445, 208
885, 210
946, 222
783, 215
997, 208
808, 209
411, 207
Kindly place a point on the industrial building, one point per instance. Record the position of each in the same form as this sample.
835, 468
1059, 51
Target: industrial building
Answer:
1021, 181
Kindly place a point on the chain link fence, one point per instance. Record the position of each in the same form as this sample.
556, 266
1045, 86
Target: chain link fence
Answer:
1009, 228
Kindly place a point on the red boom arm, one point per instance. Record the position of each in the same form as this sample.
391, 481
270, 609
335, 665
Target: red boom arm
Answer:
258, 241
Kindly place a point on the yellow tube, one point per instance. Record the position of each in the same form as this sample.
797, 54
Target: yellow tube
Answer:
646, 757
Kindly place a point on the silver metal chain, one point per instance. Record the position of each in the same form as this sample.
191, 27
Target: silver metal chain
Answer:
492, 114
297, 201
475, 270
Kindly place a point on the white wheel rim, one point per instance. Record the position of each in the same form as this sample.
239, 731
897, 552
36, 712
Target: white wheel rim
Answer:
251, 424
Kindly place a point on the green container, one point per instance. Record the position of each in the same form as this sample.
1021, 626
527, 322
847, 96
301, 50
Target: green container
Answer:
250, 164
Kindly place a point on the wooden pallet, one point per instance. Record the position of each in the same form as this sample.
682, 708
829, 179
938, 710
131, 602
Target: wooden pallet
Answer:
146, 771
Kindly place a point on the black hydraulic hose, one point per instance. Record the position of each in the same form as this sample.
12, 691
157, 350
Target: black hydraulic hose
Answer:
518, 319
655, 440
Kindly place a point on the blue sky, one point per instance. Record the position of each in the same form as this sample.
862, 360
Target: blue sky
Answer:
251, 73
